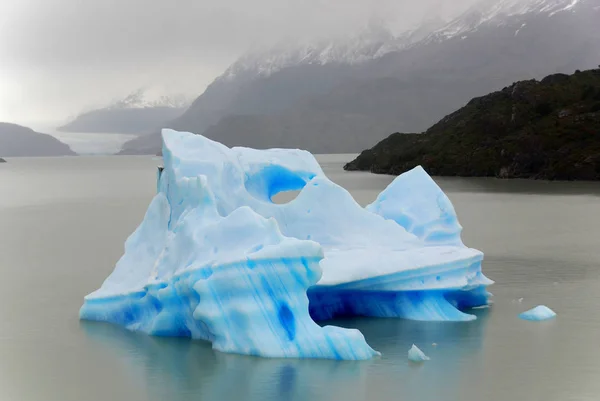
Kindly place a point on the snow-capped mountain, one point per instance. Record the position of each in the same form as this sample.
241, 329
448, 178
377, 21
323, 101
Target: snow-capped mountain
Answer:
344, 95
366, 46
140, 112
375, 41
498, 13
143, 98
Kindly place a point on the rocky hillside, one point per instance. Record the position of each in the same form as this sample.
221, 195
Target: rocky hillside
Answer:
548, 129
16, 140
346, 96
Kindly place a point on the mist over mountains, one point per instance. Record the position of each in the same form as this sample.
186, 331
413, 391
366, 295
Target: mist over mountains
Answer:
344, 96
137, 113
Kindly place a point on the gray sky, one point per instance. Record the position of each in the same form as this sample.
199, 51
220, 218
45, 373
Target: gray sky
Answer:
58, 57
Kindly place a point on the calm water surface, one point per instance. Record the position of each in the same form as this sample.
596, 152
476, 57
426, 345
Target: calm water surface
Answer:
63, 222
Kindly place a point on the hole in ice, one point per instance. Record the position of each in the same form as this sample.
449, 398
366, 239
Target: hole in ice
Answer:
276, 184
285, 197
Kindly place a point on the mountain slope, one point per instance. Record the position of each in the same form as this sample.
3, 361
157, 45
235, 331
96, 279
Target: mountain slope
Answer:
131, 115
406, 82
122, 121
548, 129
16, 140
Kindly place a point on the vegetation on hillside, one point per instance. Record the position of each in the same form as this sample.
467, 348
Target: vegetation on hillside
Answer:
548, 129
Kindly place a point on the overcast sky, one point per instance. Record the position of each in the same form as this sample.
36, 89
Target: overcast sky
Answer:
58, 57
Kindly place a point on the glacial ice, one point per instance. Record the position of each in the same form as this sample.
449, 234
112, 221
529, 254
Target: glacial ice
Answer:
416, 355
538, 313
434, 221
214, 258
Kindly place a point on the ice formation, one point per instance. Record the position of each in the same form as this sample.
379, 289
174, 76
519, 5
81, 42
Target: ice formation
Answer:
416, 355
216, 259
538, 313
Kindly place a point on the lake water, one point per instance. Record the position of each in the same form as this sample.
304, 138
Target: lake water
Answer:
63, 222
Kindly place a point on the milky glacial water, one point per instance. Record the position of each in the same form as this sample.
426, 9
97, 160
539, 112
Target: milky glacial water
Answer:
63, 222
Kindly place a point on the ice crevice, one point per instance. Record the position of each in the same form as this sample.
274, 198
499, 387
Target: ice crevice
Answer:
215, 259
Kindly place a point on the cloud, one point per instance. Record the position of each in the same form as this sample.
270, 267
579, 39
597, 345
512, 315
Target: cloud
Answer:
62, 55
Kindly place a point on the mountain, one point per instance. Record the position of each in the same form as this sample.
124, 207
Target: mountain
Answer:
2, 160
134, 114
548, 129
347, 95
143, 145
16, 140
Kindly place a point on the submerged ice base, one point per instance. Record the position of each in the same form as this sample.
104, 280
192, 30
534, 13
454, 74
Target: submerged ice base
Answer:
216, 259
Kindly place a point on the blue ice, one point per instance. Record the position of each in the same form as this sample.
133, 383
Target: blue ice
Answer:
215, 259
538, 313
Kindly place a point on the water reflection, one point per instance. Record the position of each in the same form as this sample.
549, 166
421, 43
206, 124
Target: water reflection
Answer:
178, 369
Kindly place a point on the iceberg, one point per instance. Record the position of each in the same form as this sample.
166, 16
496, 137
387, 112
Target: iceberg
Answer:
216, 259
538, 313
416, 355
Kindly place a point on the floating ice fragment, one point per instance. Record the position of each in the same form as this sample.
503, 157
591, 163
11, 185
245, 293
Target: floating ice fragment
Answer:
538, 313
416, 355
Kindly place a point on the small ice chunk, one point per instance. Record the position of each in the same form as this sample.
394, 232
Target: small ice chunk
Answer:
434, 344
538, 313
416, 355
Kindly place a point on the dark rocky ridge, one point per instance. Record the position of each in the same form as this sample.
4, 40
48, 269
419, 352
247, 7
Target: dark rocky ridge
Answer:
548, 129
16, 140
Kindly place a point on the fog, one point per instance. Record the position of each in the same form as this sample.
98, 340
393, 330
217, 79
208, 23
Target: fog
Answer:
60, 57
